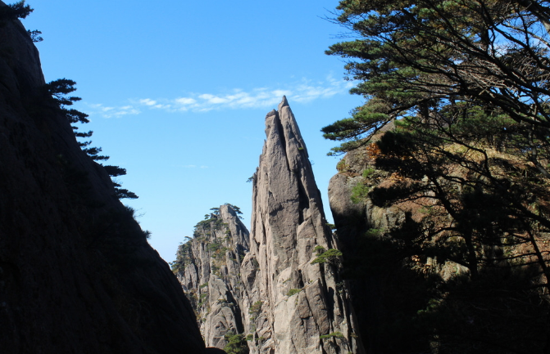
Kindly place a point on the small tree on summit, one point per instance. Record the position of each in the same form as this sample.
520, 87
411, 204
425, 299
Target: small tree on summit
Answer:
236, 209
15, 11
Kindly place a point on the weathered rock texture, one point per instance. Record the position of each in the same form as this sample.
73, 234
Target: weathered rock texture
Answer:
353, 220
295, 306
76, 272
208, 267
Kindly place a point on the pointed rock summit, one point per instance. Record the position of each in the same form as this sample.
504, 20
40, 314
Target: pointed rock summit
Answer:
297, 302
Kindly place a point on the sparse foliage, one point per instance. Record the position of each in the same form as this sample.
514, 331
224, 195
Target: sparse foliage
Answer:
293, 292
326, 256
236, 209
57, 92
236, 344
332, 335
35, 36
15, 11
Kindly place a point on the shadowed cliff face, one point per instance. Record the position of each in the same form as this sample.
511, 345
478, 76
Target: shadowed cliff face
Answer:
76, 272
411, 290
296, 306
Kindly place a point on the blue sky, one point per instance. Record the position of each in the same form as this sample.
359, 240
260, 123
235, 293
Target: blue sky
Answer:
177, 93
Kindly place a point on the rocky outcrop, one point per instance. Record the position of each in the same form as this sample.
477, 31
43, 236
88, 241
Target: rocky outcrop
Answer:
208, 267
76, 272
386, 276
297, 302
353, 220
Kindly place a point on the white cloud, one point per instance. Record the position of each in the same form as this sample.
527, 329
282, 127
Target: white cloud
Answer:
264, 97
185, 100
302, 91
211, 99
111, 112
148, 102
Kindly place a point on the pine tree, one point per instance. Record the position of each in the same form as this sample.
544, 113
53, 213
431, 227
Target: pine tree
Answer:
452, 72
57, 91
456, 111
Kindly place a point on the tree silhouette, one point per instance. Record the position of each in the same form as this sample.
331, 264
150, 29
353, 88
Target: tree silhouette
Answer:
465, 83
57, 91
15, 11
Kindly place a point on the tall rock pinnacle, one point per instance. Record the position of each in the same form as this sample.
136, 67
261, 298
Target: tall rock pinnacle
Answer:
297, 302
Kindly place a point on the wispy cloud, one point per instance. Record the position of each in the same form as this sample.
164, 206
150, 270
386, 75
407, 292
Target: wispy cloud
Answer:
195, 166
264, 97
112, 112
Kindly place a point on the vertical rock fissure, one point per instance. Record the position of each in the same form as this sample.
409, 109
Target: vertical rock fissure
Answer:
303, 199
281, 137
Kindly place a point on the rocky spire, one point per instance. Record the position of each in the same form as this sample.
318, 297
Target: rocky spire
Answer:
297, 302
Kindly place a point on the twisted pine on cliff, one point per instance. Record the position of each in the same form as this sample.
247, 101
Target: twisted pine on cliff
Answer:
57, 92
461, 90
236, 344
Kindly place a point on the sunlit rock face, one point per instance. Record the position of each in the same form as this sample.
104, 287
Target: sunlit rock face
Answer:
208, 267
295, 305
76, 272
